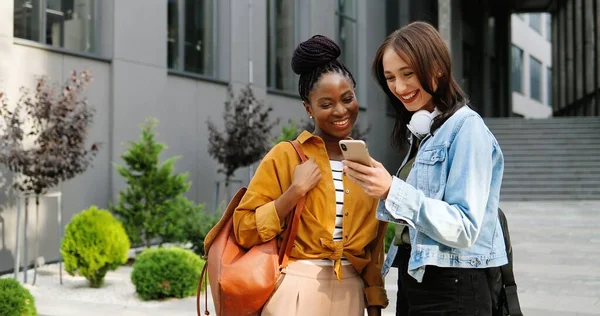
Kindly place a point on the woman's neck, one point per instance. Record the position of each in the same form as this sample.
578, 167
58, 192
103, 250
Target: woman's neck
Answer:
331, 145
430, 107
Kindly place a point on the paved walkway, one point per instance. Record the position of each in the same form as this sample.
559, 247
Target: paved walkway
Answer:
557, 256
556, 249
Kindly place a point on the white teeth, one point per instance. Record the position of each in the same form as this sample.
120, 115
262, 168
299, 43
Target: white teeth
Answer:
408, 97
340, 123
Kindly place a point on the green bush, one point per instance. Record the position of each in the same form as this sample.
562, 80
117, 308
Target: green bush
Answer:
153, 205
389, 236
198, 227
15, 300
166, 272
94, 243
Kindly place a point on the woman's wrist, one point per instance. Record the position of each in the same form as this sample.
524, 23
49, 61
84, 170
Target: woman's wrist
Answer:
387, 192
296, 191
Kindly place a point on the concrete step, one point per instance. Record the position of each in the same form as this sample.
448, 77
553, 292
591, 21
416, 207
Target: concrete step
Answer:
575, 120
523, 141
524, 196
587, 134
563, 127
539, 134
550, 176
544, 125
553, 190
549, 159
552, 164
551, 147
547, 152
572, 183
556, 172
542, 159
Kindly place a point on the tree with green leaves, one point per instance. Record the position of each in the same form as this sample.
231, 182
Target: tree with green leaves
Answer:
153, 205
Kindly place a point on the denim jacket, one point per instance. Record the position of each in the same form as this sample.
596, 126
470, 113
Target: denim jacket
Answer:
450, 199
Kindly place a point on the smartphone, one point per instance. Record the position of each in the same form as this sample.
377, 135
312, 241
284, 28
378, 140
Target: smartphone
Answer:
356, 151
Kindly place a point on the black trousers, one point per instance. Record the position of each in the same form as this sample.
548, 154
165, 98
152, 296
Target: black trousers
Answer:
443, 292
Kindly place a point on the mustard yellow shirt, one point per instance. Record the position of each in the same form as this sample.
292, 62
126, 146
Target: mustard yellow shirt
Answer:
256, 221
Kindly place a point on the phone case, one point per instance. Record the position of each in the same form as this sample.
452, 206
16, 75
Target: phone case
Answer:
356, 151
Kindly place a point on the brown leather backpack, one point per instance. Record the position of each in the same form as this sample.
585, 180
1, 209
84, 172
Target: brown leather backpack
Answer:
241, 281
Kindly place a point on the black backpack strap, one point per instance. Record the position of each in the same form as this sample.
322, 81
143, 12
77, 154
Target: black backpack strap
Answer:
508, 277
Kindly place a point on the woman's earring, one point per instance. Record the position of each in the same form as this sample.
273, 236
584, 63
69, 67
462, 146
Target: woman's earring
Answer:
310, 116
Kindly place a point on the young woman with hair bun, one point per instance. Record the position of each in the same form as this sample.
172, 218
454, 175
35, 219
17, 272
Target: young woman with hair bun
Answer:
337, 256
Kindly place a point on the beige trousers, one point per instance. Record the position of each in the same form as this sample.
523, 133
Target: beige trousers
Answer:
314, 290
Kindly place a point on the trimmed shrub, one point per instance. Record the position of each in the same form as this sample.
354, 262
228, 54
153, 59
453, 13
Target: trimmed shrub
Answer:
166, 272
389, 236
15, 300
94, 243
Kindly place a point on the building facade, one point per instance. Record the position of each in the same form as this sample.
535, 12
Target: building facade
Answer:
531, 65
173, 60
576, 58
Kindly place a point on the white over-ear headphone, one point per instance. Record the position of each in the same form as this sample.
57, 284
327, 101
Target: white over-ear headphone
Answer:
420, 123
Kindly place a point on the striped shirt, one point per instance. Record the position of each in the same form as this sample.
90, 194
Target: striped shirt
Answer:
336, 169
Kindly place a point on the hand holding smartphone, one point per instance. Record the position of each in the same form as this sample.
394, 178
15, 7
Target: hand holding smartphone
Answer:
355, 151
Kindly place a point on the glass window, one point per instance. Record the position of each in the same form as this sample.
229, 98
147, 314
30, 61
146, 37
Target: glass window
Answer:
517, 69
27, 20
199, 38
190, 36
549, 86
535, 82
549, 27
173, 55
69, 24
535, 22
347, 35
281, 41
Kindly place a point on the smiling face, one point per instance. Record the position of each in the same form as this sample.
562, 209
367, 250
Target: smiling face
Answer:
333, 106
403, 82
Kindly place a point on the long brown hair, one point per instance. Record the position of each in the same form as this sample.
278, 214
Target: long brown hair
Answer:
423, 48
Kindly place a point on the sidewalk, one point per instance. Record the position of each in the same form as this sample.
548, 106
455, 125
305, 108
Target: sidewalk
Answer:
115, 298
556, 248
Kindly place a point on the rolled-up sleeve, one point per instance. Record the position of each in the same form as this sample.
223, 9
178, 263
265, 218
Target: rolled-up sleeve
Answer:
267, 221
255, 220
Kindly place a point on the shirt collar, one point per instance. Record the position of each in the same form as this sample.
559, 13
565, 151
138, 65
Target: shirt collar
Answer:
306, 135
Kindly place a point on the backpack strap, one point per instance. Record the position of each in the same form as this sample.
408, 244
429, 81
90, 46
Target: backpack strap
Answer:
298, 150
288, 242
203, 281
508, 277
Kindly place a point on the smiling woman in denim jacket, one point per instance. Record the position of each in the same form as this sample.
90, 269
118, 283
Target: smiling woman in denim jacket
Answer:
445, 195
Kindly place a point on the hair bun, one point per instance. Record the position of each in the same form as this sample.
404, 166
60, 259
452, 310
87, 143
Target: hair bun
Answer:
314, 52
